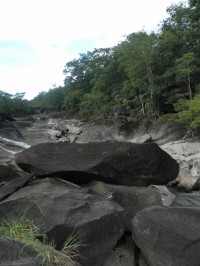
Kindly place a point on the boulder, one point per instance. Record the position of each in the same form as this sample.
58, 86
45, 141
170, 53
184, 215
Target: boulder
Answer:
132, 199
113, 162
8, 188
168, 236
7, 173
15, 253
59, 208
187, 154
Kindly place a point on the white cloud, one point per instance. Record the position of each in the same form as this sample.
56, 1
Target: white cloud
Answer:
46, 24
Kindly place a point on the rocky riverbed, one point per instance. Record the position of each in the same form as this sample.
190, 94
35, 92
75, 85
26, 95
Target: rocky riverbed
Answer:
127, 191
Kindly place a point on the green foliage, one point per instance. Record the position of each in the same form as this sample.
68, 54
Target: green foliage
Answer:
14, 105
185, 67
71, 245
51, 100
143, 77
190, 114
25, 231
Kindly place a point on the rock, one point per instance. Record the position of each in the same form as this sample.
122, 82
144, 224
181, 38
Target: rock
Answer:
196, 185
6, 156
64, 130
23, 122
185, 199
124, 254
99, 131
187, 154
37, 133
142, 139
7, 173
166, 195
15, 253
9, 131
14, 143
142, 261
132, 199
59, 208
166, 131
168, 236
13, 185
113, 162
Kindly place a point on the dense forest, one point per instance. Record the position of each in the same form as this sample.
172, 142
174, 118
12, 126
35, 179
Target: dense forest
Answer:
144, 77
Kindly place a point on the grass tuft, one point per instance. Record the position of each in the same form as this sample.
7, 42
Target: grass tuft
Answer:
25, 231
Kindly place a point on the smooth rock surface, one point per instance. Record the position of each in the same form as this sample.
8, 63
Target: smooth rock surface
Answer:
10, 131
114, 162
168, 236
187, 154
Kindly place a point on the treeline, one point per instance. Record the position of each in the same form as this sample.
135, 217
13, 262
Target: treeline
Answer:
14, 105
143, 77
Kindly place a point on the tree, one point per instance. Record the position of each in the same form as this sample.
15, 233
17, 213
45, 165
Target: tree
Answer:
137, 60
190, 116
184, 68
52, 100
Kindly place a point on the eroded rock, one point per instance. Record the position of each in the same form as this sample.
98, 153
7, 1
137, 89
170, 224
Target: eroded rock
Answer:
132, 199
187, 154
59, 208
113, 162
168, 236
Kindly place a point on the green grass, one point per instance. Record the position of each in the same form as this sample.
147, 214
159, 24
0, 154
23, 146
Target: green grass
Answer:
25, 231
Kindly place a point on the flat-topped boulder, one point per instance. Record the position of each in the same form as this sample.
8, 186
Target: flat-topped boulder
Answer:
112, 162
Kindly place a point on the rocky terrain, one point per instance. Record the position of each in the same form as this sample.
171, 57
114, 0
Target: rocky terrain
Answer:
130, 194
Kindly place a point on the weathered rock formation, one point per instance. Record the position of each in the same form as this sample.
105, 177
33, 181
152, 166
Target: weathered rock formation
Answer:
168, 236
114, 162
119, 219
59, 208
187, 154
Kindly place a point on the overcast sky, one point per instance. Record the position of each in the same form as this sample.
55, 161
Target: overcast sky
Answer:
38, 37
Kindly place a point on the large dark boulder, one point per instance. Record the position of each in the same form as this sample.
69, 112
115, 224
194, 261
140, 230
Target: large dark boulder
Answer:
168, 236
113, 162
59, 208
